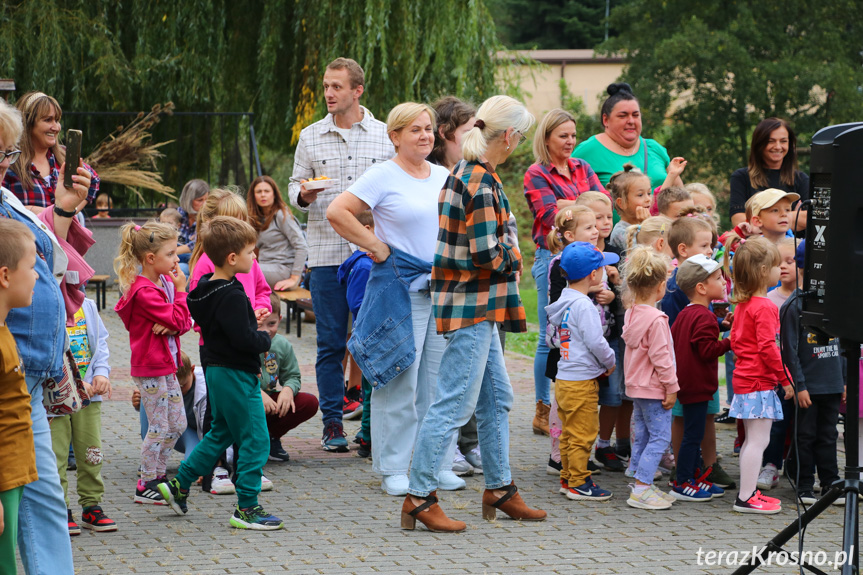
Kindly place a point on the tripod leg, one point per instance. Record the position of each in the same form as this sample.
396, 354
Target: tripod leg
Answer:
851, 533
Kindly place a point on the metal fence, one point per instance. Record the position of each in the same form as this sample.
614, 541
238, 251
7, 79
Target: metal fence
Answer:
218, 147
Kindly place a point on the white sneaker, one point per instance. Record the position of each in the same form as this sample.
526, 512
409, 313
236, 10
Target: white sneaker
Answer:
395, 485
474, 457
649, 499
449, 481
266, 484
768, 478
222, 482
460, 466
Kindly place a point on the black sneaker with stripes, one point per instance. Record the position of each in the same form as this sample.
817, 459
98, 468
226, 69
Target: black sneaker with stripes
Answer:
148, 494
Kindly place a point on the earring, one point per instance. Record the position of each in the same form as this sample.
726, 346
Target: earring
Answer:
507, 147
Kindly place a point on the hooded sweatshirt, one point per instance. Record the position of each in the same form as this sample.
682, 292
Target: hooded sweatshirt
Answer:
648, 363
144, 305
354, 273
228, 325
584, 352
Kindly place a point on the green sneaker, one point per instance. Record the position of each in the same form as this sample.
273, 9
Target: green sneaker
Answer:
255, 518
174, 496
718, 476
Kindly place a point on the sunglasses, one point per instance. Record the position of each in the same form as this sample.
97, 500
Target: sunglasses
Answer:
11, 156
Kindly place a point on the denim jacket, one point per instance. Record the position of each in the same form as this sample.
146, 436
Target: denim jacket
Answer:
40, 329
383, 338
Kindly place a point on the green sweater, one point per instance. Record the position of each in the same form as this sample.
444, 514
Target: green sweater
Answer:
279, 366
606, 163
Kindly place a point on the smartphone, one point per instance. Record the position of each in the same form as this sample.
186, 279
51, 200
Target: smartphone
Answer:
73, 156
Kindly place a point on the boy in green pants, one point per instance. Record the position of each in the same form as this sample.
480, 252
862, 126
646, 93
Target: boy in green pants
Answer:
88, 340
231, 352
17, 279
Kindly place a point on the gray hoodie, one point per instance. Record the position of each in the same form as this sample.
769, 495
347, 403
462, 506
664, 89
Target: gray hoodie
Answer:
584, 352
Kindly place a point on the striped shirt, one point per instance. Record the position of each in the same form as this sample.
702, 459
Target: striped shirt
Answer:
544, 186
322, 151
473, 276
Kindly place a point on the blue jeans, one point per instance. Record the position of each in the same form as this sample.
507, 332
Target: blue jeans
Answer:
472, 377
398, 408
540, 274
651, 427
184, 445
694, 417
43, 534
330, 304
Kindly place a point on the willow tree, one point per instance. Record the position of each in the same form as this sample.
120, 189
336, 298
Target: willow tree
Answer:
245, 55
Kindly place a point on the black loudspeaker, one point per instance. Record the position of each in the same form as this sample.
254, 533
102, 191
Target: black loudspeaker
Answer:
833, 275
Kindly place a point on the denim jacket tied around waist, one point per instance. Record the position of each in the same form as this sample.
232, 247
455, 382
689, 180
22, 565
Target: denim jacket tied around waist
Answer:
382, 343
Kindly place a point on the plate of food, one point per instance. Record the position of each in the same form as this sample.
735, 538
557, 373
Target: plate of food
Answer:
321, 183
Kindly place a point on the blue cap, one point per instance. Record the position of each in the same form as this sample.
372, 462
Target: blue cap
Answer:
581, 258
800, 254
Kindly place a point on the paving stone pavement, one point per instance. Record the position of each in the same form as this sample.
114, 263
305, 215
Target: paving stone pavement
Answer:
337, 519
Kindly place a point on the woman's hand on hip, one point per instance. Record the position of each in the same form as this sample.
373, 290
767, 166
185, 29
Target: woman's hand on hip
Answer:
379, 253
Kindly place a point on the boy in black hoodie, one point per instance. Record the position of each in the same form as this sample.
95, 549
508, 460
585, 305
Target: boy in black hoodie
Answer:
231, 352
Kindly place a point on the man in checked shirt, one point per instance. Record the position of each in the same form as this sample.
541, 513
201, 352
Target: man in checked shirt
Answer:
342, 146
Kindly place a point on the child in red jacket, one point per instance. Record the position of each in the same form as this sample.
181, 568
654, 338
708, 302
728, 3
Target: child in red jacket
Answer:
697, 348
153, 309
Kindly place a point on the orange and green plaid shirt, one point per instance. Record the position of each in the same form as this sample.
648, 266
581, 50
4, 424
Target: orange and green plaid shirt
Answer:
473, 276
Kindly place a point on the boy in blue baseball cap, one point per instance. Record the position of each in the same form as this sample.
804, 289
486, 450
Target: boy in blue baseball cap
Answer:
584, 356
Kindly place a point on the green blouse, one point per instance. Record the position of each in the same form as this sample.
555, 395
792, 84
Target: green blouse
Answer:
606, 163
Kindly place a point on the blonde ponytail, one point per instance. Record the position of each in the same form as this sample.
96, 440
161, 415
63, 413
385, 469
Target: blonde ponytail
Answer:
647, 231
494, 117
135, 243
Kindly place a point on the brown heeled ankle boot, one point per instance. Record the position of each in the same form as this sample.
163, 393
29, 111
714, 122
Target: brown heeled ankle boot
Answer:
511, 503
430, 514
540, 420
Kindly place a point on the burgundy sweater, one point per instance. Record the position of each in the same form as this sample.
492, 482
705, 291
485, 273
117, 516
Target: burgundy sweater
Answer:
697, 348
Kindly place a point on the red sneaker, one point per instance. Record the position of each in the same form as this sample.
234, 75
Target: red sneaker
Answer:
74, 529
94, 518
352, 409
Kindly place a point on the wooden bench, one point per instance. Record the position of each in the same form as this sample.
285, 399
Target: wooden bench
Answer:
100, 284
297, 299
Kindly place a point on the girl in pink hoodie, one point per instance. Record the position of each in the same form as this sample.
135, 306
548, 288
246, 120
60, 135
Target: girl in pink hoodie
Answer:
153, 309
650, 374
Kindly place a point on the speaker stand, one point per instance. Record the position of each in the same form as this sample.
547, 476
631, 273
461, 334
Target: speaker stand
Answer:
848, 488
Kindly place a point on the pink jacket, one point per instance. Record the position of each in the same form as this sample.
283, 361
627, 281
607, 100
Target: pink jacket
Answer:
648, 363
254, 284
144, 305
78, 241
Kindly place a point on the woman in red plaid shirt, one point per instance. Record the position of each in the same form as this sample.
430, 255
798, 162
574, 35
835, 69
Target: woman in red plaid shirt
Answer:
553, 182
34, 177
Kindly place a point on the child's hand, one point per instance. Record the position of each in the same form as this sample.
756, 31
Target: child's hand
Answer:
261, 314
2, 526
669, 401
286, 402
102, 386
803, 399
269, 405
88, 389
159, 329
676, 167
136, 399
179, 279
844, 394
641, 214
605, 297
749, 230
609, 371
613, 275
789, 392
729, 319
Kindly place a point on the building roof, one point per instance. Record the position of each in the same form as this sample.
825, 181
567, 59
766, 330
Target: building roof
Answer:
561, 56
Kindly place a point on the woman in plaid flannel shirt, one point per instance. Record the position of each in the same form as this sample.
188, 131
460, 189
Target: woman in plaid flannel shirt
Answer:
474, 289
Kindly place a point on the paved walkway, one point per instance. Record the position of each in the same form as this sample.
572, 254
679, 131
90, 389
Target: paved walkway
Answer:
339, 521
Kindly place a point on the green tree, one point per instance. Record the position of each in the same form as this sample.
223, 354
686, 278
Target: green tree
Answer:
551, 24
245, 55
707, 72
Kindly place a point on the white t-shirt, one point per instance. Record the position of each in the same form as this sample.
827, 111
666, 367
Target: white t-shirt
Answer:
405, 208
345, 132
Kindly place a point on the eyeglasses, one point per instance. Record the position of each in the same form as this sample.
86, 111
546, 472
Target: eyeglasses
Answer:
11, 156
521, 137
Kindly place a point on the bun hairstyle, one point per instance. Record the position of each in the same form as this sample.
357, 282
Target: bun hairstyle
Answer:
619, 184
566, 220
135, 243
494, 117
752, 262
618, 92
647, 232
645, 268
684, 228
